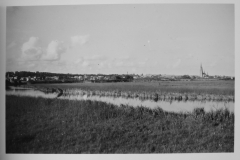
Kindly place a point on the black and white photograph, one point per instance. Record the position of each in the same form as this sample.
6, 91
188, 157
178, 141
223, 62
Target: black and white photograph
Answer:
127, 78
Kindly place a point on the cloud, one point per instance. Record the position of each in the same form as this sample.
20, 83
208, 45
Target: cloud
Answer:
54, 51
31, 49
85, 64
31, 65
79, 40
85, 61
78, 61
177, 63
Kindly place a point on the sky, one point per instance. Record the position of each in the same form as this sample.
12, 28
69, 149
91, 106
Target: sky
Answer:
173, 39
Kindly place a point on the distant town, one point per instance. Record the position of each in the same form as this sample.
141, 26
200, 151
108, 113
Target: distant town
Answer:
24, 77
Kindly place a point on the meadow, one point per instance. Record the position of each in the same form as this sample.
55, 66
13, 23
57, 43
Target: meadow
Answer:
39, 125
192, 87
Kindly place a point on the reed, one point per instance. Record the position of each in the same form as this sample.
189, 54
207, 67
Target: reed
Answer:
209, 90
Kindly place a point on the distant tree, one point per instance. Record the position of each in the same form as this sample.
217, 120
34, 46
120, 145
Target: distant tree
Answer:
118, 77
128, 77
186, 77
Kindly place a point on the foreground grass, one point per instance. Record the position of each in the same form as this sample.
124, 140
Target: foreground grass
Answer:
38, 125
217, 87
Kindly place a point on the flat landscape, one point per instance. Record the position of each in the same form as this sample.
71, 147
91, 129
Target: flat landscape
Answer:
120, 78
199, 87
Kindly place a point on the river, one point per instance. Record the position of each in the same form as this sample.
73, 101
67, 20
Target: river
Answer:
172, 106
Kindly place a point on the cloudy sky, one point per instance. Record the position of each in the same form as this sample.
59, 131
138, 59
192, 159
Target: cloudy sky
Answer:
148, 39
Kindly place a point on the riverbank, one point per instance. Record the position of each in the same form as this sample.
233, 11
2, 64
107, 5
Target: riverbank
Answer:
38, 125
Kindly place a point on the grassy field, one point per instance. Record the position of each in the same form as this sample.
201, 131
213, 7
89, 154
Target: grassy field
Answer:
38, 125
198, 87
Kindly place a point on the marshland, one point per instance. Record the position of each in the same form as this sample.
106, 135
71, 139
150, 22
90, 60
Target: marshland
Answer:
163, 90
198, 87
120, 78
53, 124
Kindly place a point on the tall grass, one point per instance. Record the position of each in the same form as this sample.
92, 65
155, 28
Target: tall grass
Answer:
38, 125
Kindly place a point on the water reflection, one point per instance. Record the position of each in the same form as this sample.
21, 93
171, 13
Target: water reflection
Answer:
172, 106
30, 93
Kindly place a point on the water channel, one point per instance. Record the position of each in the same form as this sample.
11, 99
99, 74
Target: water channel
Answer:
172, 106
